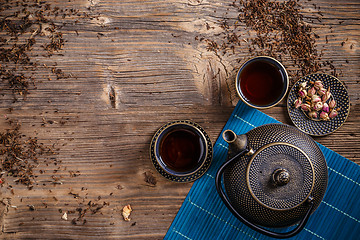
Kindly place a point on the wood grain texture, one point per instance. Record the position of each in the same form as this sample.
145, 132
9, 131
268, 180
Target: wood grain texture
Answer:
134, 66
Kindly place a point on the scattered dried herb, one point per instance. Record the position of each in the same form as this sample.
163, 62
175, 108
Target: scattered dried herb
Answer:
19, 156
149, 178
82, 210
31, 207
280, 31
74, 174
273, 28
28, 25
75, 195
73, 221
17, 83
29, 29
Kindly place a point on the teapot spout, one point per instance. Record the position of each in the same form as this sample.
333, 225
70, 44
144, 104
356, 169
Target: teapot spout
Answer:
237, 143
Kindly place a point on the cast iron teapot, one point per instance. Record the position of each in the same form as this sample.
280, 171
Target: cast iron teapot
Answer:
275, 176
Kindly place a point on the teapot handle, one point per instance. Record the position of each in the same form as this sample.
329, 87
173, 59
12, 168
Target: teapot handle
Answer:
262, 230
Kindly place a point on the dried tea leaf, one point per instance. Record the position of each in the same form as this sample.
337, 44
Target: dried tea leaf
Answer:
149, 178
64, 217
126, 212
31, 207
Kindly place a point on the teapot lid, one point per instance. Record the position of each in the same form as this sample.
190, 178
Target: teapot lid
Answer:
280, 176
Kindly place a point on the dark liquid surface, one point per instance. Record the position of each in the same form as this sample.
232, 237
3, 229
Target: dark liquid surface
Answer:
261, 83
181, 150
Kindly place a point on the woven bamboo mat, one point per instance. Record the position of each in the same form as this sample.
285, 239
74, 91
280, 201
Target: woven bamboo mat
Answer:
204, 216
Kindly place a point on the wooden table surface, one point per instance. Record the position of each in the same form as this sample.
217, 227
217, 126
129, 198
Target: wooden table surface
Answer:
127, 68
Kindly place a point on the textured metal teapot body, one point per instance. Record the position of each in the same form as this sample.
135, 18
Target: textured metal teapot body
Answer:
278, 180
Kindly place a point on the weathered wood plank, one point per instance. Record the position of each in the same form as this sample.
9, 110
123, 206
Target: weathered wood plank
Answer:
135, 65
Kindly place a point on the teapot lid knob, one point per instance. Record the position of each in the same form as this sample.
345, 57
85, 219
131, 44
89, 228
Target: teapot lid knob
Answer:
280, 177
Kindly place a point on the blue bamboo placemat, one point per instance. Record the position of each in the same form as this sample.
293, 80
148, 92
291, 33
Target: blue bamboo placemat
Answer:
204, 216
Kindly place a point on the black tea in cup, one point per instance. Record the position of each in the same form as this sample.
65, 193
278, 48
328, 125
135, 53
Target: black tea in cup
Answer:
262, 82
181, 151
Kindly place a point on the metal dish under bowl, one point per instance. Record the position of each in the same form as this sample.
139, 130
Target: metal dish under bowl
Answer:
169, 174
320, 128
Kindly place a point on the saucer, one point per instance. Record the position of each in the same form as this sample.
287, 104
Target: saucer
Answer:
320, 128
161, 167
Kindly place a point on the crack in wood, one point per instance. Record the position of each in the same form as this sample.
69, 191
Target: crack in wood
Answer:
112, 97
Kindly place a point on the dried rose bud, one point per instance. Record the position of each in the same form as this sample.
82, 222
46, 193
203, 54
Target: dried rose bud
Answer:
325, 107
315, 98
326, 96
298, 103
324, 116
311, 92
302, 93
306, 107
318, 84
302, 85
321, 91
332, 103
313, 114
333, 113
318, 106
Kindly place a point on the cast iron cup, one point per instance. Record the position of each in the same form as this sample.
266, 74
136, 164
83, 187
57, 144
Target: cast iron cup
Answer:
276, 64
